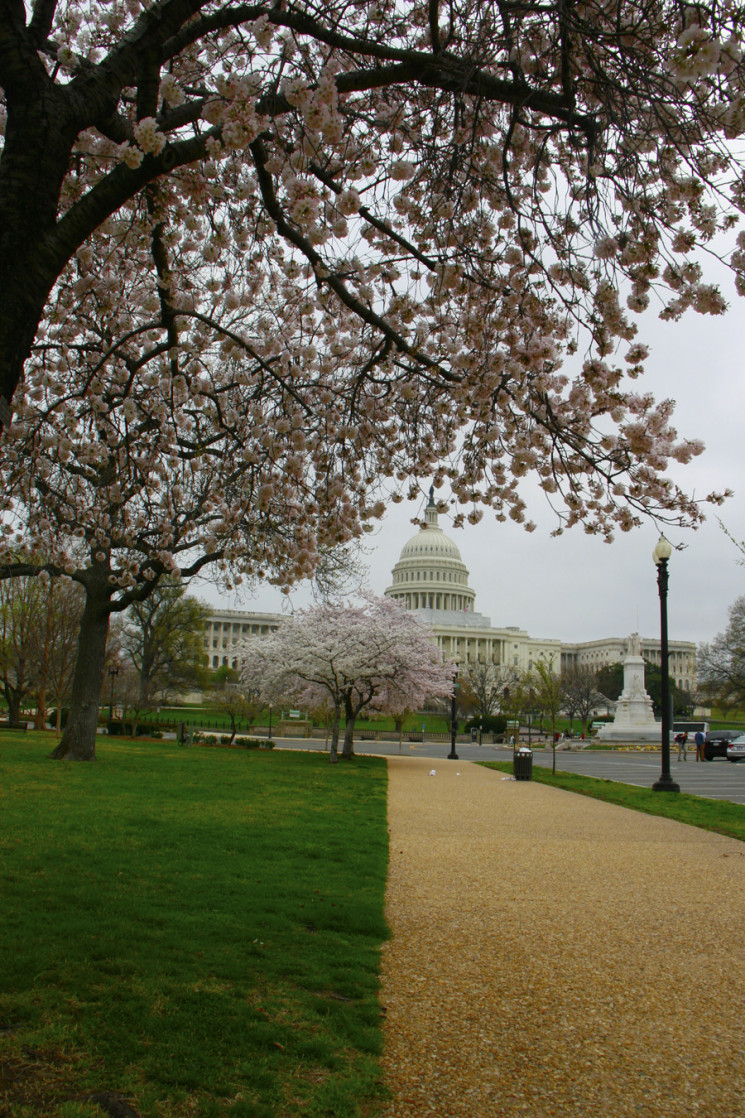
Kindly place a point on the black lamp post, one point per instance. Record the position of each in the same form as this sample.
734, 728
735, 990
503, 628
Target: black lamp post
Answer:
661, 554
113, 672
452, 755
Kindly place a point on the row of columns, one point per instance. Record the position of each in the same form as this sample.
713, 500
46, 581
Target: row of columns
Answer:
436, 601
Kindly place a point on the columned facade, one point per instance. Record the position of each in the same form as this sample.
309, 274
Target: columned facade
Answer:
225, 627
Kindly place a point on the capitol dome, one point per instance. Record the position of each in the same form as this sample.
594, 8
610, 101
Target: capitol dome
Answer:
430, 573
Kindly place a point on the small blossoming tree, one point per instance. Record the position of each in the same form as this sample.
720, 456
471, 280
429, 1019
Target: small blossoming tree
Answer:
374, 657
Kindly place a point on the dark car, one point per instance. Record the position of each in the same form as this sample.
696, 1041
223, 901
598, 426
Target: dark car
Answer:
717, 741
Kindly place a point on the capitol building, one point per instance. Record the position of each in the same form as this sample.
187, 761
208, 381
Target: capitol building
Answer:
431, 579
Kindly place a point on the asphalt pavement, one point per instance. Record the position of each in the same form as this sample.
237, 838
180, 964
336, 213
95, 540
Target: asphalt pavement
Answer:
717, 780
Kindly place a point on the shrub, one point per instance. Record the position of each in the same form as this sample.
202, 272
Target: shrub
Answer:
120, 728
490, 723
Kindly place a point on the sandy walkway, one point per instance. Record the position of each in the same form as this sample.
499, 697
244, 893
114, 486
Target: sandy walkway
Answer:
553, 955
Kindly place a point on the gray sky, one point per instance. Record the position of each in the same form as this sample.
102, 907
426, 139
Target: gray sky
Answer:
575, 587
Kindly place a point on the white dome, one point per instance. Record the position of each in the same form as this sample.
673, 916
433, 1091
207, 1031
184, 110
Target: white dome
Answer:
430, 543
430, 574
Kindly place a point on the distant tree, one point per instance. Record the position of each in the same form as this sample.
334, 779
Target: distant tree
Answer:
233, 699
721, 664
375, 656
163, 638
38, 632
57, 643
129, 694
322, 714
579, 687
549, 697
484, 684
19, 617
518, 699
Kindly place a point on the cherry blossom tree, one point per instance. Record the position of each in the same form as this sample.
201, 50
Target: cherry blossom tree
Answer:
443, 200
259, 262
132, 459
376, 656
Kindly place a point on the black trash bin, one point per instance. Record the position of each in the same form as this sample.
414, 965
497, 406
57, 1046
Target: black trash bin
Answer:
522, 763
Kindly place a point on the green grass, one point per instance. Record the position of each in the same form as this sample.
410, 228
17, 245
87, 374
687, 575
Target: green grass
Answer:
213, 718
712, 815
195, 930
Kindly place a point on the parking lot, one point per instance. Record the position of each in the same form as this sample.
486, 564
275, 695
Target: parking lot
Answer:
717, 780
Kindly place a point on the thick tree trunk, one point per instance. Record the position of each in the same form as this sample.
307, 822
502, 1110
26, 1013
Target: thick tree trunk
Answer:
14, 706
78, 741
351, 717
41, 710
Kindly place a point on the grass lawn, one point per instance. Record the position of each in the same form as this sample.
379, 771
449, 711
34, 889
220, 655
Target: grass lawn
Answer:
212, 717
195, 930
712, 815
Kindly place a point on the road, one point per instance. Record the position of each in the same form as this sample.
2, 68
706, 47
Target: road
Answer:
716, 780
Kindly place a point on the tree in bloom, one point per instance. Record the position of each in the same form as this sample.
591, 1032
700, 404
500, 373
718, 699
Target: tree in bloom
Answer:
373, 657
133, 456
443, 202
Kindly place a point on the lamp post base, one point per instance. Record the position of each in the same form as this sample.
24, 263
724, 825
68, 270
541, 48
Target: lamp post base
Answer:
452, 755
665, 784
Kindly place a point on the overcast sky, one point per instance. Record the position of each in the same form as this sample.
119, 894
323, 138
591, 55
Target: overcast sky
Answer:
575, 587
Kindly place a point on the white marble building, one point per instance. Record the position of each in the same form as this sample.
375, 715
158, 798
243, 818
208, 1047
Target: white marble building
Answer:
431, 578
227, 626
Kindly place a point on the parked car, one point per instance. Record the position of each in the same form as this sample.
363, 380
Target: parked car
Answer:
717, 741
736, 749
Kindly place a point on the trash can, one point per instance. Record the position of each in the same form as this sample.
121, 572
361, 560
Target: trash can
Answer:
522, 763
474, 734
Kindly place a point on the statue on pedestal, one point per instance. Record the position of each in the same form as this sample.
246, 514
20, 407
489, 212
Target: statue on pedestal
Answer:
633, 720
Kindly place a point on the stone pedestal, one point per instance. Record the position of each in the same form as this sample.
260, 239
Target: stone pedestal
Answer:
634, 716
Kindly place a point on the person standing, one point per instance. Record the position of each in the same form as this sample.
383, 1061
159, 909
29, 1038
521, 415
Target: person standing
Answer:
700, 739
682, 740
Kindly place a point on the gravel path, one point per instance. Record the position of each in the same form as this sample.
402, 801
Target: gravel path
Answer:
554, 955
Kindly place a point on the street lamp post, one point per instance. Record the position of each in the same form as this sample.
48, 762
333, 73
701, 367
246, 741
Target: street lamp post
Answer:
661, 554
270, 722
452, 755
113, 672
